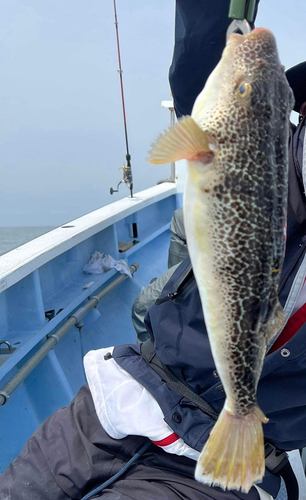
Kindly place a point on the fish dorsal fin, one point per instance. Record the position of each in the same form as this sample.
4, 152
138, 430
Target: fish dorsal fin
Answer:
186, 140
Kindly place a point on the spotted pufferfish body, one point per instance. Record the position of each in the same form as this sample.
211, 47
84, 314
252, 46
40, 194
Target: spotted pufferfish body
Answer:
236, 144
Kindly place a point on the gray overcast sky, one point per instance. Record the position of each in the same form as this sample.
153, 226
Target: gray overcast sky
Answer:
61, 128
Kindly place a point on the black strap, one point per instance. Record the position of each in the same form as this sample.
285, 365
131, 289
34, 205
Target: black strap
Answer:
290, 480
277, 462
148, 353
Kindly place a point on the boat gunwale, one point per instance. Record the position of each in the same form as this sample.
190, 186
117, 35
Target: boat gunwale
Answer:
23, 260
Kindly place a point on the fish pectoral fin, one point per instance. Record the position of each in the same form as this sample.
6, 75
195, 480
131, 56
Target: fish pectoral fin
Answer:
276, 322
186, 140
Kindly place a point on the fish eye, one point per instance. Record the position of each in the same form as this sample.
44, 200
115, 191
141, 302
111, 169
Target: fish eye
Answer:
244, 90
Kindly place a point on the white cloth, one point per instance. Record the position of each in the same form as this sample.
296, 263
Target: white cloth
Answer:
124, 407
100, 262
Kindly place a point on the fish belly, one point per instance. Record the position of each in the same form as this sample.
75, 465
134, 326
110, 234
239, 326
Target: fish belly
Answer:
223, 340
233, 457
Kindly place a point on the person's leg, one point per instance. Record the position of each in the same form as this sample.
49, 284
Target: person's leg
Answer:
200, 37
163, 476
68, 455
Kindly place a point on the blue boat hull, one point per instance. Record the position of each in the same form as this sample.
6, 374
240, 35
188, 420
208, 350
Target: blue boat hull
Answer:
59, 284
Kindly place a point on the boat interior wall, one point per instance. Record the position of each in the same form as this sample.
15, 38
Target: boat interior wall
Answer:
58, 286
23, 260
151, 220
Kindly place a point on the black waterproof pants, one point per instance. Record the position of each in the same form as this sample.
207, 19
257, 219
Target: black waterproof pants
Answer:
200, 37
70, 454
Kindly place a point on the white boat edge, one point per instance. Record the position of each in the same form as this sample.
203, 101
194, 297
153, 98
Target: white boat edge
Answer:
23, 260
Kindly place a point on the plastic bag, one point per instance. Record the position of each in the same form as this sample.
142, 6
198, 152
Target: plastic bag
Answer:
100, 262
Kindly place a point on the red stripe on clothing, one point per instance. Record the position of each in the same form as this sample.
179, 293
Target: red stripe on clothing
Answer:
294, 324
168, 440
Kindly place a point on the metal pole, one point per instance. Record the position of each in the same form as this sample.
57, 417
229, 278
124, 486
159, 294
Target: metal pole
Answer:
172, 122
53, 339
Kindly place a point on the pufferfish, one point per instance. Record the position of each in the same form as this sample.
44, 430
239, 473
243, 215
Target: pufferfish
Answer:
236, 144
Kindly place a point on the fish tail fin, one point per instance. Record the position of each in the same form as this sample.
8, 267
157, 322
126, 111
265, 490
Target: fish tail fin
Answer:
233, 456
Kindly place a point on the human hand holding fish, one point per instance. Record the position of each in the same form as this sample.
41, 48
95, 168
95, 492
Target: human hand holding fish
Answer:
236, 144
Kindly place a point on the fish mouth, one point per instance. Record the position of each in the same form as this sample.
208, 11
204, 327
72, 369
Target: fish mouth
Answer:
259, 45
262, 33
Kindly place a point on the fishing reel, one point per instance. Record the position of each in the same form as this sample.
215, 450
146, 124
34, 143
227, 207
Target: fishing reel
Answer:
127, 177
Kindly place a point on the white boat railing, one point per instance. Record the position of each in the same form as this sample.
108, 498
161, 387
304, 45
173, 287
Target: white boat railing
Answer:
22, 261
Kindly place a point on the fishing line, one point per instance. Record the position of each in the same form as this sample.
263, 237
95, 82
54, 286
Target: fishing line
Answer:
112, 479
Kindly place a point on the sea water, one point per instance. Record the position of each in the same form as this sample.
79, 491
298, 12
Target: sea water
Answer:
13, 237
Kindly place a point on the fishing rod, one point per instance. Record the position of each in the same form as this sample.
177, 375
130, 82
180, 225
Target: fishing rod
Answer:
127, 170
